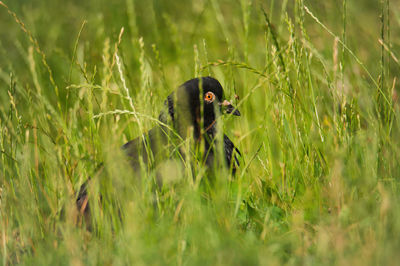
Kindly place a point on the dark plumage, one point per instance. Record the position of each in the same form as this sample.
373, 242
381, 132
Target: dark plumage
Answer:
182, 113
181, 117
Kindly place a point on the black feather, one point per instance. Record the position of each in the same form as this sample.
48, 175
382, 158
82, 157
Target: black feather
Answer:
181, 111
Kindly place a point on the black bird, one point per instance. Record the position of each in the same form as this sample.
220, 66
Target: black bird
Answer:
180, 118
182, 113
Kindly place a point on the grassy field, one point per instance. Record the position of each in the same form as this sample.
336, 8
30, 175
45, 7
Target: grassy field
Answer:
317, 86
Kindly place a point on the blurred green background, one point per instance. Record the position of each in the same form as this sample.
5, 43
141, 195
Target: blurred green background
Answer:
319, 131
175, 27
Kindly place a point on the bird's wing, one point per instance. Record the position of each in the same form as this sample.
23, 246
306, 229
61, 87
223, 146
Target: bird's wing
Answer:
154, 146
145, 147
230, 151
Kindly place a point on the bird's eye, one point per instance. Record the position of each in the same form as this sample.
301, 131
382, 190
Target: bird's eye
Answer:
209, 97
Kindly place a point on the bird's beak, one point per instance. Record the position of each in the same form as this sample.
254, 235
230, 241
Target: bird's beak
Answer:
229, 108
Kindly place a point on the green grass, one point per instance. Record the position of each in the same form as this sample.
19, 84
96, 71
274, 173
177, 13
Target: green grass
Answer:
320, 129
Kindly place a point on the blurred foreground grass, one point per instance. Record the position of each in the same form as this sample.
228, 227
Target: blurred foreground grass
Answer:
318, 91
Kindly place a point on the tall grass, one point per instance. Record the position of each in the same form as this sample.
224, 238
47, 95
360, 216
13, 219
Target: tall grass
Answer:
316, 83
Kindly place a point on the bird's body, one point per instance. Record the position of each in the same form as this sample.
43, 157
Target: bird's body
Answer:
179, 118
190, 111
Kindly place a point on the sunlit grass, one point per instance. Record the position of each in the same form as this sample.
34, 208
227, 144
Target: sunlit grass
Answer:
315, 81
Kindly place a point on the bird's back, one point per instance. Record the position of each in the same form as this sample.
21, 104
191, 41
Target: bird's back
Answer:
151, 147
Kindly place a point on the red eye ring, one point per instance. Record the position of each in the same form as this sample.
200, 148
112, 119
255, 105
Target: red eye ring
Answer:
209, 97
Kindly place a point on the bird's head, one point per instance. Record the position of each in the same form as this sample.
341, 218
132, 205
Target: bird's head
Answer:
213, 96
188, 98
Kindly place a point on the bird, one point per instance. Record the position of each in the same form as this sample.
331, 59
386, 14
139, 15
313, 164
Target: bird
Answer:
182, 111
190, 110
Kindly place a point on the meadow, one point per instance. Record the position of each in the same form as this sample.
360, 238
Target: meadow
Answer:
316, 83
